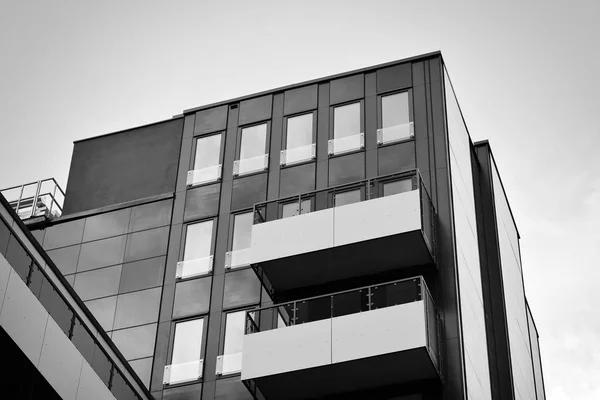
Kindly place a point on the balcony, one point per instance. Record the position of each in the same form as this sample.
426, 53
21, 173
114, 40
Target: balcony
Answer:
294, 246
35, 201
362, 339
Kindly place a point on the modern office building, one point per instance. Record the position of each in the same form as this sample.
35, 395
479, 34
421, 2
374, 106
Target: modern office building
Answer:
341, 238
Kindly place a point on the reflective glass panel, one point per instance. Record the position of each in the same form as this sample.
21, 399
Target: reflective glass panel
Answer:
101, 282
291, 209
66, 258
192, 297
147, 244
18, 258
231, 389
242, 230
346, 120
83, 340
198, 239
208, 151
234, 332
188, 341
136, 342
143, 368
65, 234
105, 225
151, 215
349, 197
253, 141
241, 288
137, 308
104, 311
4, 235
101, 253
299, 131
56, 307
142, 274
395, 187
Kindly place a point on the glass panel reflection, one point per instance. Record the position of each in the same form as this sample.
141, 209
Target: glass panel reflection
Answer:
346, 121
101, 282
137, 308
187, 351
135, 342
348, 197
401, 186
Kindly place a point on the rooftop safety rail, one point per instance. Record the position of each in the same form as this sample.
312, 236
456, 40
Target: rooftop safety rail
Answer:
372, 188
43, 198
113, 371
348, 302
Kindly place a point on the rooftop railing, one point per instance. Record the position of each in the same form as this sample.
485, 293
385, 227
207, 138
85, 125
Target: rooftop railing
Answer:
372, 188
42, 198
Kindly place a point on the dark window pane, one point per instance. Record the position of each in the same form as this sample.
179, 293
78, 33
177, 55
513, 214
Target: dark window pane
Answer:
249, 190
188, 392
143, 369
101, 282
101, 364
143, 274
210, 120
296, 180
302, 99
231, 389
105, 225
147, 244
104, 311
4, 235
137, 308
66, 258
395, 187
192, 297
83, 340
241, 288
127, 393
62, 235
396, 158
56, 307
345, 89
313, 310
202, 202
208, 152
136, 342
150, 215
350, 303
18, 258
118, 382
256, 109
101, 253
346, 169
348, 197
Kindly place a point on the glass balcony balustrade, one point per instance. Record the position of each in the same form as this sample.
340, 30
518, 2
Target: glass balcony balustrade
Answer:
194, 267
298, 154
396, 133
250, 165
346, 144
183, 372
204, 175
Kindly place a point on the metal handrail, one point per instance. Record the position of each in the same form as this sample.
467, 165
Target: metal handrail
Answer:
424, 292
339, 188
32, 200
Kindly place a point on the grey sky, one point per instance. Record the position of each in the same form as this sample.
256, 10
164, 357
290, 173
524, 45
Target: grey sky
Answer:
525, 74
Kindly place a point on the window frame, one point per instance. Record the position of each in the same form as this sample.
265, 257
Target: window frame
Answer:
411, 118
221, 347
332, 193
202, 345
381, 183
213, 238
332, 124
284, 135
191, 166
238, 143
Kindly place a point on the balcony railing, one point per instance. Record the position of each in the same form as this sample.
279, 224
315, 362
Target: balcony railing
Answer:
346, 144
298, 154
237, 258
204, 175
194, 267
250, 165
395, 133
43, 198
183, 372
322, 199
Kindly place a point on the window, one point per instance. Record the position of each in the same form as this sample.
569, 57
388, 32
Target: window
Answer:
242, 288
241, 241
299, 140
348, 197
395, 187
231, 360
186, 359
253, 155
347, 129
207, 165
395, 119
197, 253
291, 209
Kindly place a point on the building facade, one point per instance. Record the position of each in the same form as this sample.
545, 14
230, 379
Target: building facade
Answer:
340, 238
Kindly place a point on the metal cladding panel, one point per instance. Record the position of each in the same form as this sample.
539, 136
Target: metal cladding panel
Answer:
4, 275
378, 332
90, 385
116, 168
60, 362
290, 236
23, 318
287, 349
377, 218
